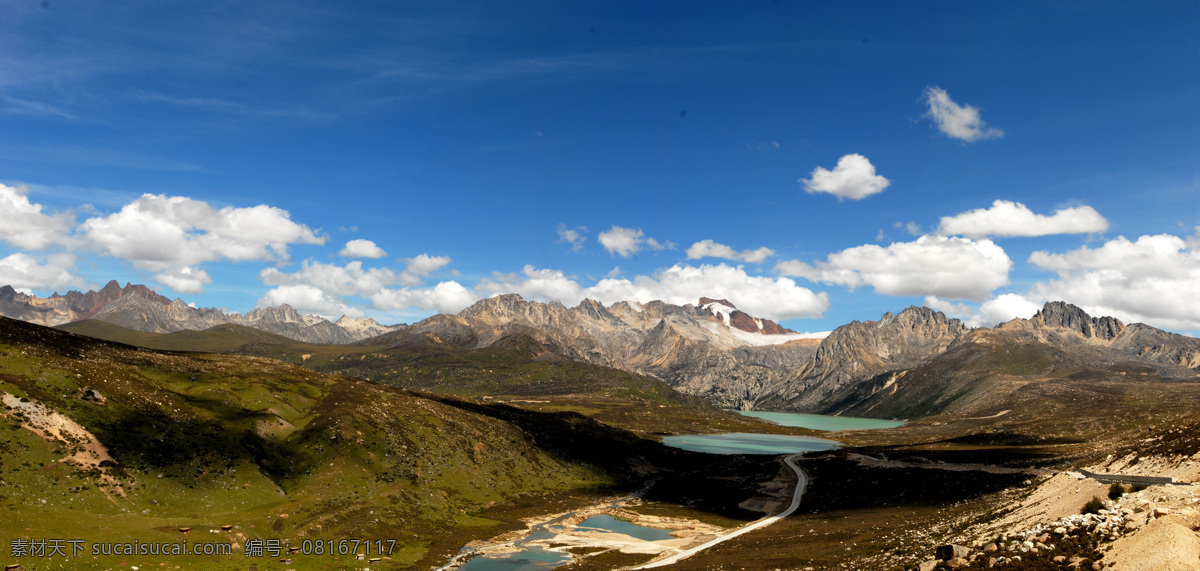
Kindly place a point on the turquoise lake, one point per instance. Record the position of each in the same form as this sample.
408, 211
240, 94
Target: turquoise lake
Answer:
533, 559
821, 421
748, 443
527, 560
610, 523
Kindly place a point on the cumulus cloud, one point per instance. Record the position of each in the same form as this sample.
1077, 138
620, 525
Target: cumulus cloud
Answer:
25, 226
334, 280
960, 122
940, 266
1002, 308
421, 266
308, 300
322, 288
184, 280
23, 272
1152, 280
362, 249
771, 297
854, 178
949, 308
445, 297
167, 234
157, 229
626, 242
1007, 218
710, 249
573, 236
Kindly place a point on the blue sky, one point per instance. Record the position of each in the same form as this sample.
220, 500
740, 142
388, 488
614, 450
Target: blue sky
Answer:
811, 162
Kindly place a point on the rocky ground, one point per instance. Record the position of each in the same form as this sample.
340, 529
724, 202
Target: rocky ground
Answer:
1043, 527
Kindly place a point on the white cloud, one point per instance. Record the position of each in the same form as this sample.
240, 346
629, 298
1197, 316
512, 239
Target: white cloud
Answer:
322, 288
23, 272
708, 248
957, 121
854, 178
774, 298
421, 266
333, 280
951, 268
911, 227
1007, 218
445, 297
1152, 280
184, 280
573, 236
360, 248
949, 308
180, 231
1002, 308
625, 242
24, 225
308, 300
167, 234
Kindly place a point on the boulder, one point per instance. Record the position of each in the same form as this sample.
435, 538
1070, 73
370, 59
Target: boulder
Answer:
952, 551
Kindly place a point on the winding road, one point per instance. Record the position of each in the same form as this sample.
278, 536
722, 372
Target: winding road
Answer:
801, 485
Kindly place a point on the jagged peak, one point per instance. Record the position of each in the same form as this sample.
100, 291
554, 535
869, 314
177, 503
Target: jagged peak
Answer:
885, 319
1071, 317
488, 304
347, 320
710, 301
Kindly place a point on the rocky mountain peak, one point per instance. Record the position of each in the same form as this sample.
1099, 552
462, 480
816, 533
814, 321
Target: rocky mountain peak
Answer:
595, 310
708, 300
725, 311
1063, 315
923, 318
501, 305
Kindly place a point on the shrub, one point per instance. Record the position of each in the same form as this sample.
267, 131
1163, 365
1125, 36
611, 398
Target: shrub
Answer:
1115, 491
1093, 506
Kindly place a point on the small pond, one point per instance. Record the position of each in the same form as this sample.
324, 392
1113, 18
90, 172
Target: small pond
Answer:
611, 524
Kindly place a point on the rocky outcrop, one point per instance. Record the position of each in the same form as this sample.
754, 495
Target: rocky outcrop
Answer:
1062, 315
140, 308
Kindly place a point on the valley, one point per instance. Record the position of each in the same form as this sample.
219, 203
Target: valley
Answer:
466, 430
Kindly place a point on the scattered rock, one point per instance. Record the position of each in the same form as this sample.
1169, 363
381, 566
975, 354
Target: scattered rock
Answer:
952, 551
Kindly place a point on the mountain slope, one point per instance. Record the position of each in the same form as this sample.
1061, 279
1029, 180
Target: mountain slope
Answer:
1061, 362
859, 351
162, 440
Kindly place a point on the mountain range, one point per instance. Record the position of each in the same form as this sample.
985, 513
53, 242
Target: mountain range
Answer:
913, 363
139, 308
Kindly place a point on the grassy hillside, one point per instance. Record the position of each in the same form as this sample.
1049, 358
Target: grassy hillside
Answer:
523, 372
171, 440
219, 339
996, 390
517, 370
